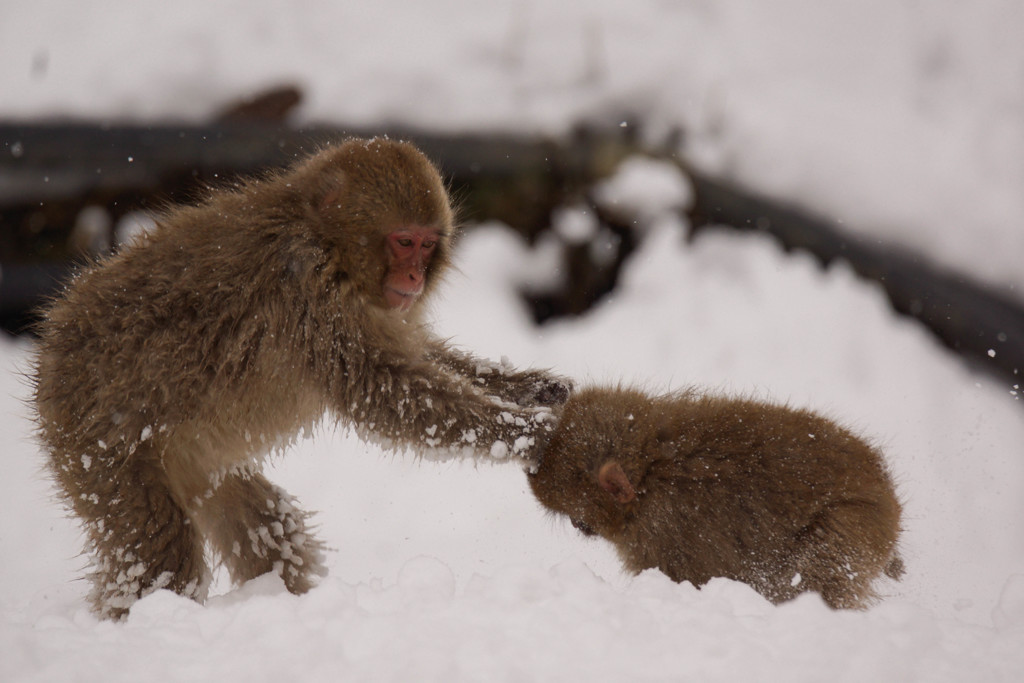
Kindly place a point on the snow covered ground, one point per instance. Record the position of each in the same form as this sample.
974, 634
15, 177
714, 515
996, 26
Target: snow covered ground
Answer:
899, 117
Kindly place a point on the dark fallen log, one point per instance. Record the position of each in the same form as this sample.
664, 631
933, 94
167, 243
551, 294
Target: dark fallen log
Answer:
981, 324
50, 173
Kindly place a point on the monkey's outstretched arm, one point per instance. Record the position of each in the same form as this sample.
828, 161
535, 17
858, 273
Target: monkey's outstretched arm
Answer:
523, 387
418, 405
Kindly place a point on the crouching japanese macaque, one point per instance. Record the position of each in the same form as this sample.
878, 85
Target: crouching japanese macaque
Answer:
700, 486
166, 372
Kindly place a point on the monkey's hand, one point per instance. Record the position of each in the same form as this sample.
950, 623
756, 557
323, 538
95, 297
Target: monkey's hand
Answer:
525, 388
539, 388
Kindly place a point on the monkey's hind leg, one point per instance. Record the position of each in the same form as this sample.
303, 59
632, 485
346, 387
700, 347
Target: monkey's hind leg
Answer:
254, 528
849, 546
140, 537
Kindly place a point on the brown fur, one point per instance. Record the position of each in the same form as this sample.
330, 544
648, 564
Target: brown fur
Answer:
165, 372
699, 486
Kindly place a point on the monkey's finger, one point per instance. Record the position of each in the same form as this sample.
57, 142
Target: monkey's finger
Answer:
552, 392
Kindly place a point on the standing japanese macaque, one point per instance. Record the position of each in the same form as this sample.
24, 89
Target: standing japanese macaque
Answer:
699, 486
166, 372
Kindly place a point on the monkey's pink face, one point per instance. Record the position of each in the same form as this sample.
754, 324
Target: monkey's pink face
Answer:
409, 250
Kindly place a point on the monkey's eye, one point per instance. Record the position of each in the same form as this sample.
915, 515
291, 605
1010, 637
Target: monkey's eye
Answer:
429, 244
404, 242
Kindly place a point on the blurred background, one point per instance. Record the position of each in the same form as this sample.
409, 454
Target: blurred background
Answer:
889, 134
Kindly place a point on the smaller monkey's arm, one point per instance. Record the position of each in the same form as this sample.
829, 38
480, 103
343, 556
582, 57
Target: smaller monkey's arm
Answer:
522, 387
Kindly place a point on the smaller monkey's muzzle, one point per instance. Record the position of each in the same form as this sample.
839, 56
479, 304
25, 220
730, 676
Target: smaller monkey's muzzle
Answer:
583, 527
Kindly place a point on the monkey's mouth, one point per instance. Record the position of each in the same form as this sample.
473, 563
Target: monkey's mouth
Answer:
583, 527
402, 301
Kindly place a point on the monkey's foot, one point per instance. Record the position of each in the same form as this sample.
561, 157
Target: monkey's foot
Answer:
277, 539
121, 581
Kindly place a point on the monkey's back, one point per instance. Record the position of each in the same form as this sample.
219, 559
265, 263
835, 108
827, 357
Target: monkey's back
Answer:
774, 495
766, 465
165, 332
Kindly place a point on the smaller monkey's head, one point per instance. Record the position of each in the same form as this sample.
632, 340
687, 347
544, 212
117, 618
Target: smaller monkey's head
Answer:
384, 215
592, 468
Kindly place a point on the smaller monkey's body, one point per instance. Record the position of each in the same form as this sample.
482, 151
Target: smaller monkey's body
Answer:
166, 372
702, 487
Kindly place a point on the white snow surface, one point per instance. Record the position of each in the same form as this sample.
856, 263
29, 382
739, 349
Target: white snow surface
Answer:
901, 119
452, 572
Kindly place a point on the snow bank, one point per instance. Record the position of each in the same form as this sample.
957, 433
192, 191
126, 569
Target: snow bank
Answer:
520, 624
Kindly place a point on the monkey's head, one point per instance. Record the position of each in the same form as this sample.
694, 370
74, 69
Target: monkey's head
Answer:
592, 468
382, 212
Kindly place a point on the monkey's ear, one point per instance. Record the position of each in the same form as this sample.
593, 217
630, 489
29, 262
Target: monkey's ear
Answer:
329, 198
613, 480
330, 191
